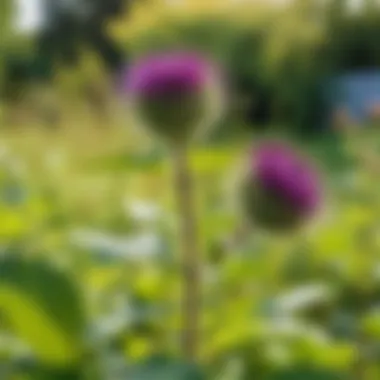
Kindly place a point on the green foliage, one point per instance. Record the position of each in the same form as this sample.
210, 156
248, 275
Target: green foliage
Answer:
162, 369
306, 374
273, 308
43, 306
352, 39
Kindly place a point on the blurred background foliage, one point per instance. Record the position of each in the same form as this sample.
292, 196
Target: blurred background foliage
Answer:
89, 279
280, 57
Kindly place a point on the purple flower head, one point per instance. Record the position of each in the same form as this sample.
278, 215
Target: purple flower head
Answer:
285, 173
174, 94
282, 189
168, 74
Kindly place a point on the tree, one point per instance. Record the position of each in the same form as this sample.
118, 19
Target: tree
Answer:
70, 26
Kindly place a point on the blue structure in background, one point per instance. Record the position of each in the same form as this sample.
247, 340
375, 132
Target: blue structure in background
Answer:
356, 92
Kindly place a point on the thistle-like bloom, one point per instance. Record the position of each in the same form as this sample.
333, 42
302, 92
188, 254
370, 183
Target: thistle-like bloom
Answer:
173, 93
282, 188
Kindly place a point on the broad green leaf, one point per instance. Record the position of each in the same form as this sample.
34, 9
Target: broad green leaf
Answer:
211, 160
162, 369
307, 374
336, 356
151, 162
371, 324
43, 373
43, 307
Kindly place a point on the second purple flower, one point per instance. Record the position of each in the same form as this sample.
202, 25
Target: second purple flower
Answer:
282, 189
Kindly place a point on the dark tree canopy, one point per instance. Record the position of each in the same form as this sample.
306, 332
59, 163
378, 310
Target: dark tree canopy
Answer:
70, 26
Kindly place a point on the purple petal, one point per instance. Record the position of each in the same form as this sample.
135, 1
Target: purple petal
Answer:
167, 73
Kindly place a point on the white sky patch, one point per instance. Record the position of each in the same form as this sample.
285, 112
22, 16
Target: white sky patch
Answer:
29, 16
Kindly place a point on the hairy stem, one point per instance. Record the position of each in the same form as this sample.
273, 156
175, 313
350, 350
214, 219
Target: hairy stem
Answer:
190, 252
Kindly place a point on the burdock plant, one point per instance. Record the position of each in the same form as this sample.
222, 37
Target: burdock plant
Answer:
177, 96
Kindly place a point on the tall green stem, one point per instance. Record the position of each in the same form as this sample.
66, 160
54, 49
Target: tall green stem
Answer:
190, 252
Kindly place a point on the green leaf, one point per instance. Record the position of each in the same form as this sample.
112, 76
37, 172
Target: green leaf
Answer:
163, 369
57, 374
309, 374
371, 324
213, 160
141, 162
43, 307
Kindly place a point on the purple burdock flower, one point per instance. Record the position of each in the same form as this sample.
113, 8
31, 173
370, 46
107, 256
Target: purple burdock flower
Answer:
166, 73
283, 189
173, 93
